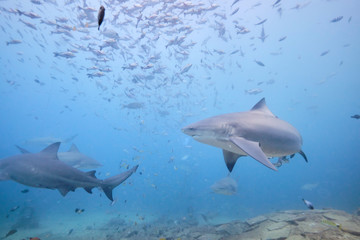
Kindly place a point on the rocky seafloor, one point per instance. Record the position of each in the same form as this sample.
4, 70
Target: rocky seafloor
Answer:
327, 224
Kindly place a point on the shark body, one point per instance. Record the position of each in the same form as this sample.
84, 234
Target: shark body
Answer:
257, 133
45, 170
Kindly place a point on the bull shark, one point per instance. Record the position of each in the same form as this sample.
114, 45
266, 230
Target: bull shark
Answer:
45, 170
257, 133
74, 158
45, 141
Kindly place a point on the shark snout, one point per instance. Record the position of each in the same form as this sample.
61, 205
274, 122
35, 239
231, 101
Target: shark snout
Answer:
189, 131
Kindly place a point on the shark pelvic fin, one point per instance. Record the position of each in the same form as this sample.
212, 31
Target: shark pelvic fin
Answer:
253, 150
230, 159
52, 149
261, 107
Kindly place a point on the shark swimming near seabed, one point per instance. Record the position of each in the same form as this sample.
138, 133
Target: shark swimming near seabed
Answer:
74, 158
45, 170
257, 133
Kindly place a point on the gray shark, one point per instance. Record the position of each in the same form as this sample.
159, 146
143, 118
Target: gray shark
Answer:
225, 186
74, 158
257, 133
45, 141
45, 170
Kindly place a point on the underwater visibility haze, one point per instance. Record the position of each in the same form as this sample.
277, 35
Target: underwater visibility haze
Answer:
128, 88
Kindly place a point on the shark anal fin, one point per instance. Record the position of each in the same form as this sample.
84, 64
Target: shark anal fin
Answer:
253, 150
230, 159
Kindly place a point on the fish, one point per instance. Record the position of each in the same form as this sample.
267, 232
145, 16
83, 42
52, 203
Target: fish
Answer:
45, 170
14, 41
64, 54
225, 186
254, 91
13, 209
134, 105
74, 158
257, 133
308, 204
263, 36
101, 16
276, 3
337, 19
282, 38
25, 190
261, 22
235, 11
78, 210
259, 63
356, 116
11, 232
331, 223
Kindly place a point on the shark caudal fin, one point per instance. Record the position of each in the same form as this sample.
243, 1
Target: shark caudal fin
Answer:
112, 182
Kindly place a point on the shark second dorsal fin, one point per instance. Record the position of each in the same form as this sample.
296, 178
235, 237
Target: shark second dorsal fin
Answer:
52, 149
73, 148
261, 107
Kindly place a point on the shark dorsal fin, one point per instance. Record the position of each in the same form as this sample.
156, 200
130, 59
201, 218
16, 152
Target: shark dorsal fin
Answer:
52, 149
261, 107
73, 148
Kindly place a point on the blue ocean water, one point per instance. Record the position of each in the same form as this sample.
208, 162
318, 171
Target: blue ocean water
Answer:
190, 60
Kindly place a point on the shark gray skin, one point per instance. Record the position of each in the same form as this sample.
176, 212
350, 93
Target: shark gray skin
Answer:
257, 133
74, 158
45, 170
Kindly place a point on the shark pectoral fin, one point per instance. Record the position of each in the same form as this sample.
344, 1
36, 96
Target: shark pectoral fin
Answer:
303, 155
230, 159
253, 150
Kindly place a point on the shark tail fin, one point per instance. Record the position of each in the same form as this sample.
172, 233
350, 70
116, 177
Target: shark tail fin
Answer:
112, 182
